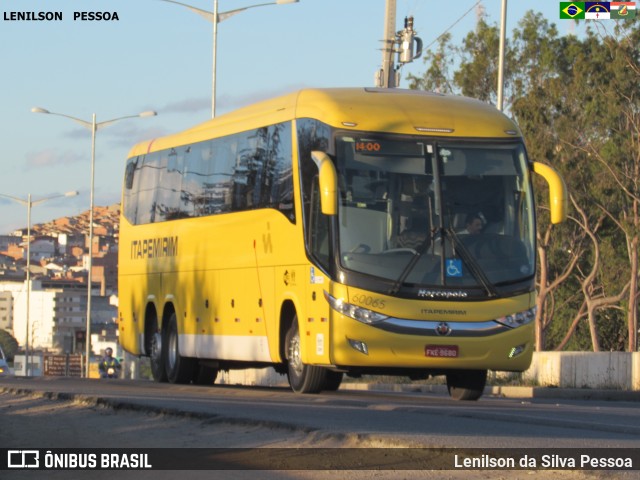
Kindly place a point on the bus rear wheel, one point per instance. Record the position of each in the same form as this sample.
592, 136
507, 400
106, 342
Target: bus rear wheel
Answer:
466, 384
205, 375
179, 369
302, 378
156, 357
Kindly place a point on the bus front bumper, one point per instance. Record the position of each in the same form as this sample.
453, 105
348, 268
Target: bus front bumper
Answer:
431, 345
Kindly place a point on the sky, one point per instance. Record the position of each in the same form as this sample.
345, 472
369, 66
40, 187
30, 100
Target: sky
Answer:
158, 56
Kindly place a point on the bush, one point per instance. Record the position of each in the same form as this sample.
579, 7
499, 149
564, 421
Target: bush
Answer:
9, 344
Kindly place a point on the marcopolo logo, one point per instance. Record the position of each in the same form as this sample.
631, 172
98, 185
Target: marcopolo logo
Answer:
23, 459
424, 293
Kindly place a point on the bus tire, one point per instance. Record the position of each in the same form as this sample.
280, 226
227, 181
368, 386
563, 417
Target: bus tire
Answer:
332, 381
179, 369
466, 384
302, 378
205, 375
156, 356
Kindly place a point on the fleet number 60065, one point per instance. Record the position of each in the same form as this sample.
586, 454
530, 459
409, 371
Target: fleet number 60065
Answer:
369, 301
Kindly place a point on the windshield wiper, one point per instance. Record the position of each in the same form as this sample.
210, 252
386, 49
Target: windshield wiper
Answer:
395, 288
471, 262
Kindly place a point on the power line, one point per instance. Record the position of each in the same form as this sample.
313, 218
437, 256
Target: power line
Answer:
453, 25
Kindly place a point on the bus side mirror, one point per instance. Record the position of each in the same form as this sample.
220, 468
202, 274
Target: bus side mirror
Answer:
328, 179
557, 191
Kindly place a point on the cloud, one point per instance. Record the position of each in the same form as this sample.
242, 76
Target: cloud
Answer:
127, 135
78, 133
188, 105
226, 103
51, 158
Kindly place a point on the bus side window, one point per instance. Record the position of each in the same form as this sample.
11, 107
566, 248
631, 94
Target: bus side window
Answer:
131, 168
132, 181
147, 188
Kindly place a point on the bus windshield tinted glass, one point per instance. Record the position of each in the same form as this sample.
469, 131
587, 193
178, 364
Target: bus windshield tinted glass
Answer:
435, 214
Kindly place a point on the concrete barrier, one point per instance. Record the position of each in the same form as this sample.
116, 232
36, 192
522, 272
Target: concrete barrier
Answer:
266, 377
635, 371
603, 370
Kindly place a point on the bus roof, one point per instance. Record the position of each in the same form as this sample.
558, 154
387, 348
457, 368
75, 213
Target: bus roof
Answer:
361, 109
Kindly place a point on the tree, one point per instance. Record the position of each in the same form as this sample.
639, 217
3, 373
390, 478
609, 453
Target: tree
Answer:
9, 344
577, 101
608, 122
437, 77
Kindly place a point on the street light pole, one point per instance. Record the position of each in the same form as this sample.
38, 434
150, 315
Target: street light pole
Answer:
215, 20
93, 126
26, 336
29, 203
87, 335
503, 27
215, 17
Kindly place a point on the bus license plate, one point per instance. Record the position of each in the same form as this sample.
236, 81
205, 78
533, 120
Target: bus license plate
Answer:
441, 351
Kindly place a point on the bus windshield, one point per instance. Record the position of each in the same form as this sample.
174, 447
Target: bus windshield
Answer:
435, 213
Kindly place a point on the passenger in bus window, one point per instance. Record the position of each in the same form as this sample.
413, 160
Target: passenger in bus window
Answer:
474, 223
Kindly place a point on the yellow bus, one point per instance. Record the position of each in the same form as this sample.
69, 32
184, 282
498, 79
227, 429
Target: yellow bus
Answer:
331, 232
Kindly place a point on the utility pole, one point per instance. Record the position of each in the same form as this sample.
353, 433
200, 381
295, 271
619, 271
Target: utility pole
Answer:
503, 28
401, 42
386, 76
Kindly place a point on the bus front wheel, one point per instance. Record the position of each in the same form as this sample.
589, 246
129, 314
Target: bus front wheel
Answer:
332, 381
302, 378
466, 384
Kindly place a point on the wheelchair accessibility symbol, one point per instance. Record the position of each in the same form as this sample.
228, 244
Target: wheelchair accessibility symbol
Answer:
454, 267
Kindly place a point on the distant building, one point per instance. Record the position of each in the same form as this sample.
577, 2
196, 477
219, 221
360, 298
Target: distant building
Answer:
8, 240
59, 260
7, 262
6, 311
105, 271
15, 251
43, 248
57, 314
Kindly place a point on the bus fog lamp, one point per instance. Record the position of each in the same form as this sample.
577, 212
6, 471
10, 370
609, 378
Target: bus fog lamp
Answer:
515, 351
359, 346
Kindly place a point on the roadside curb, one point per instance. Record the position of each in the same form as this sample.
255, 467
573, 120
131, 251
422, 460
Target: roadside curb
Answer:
508, 391
565, 393
98, 401
439, 389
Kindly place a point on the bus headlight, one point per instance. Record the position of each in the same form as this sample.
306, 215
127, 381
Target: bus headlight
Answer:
360, 314
518, 319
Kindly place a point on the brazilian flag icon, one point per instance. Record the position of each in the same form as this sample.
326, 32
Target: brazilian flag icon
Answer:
572, 10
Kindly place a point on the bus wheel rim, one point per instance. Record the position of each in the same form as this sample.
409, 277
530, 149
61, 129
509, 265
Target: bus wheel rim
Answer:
172, 350
294, 354
156, 347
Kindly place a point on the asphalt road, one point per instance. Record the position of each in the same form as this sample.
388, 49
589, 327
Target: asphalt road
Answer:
37, 412
407, 418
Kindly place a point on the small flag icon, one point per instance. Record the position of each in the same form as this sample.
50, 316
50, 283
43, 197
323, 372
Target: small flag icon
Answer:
596, 10
572, 10
623, 10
